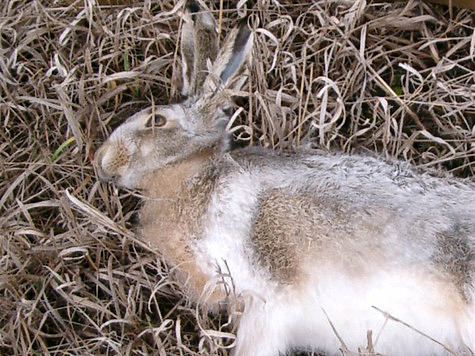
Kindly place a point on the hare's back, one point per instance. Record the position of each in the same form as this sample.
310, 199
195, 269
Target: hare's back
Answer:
358, 213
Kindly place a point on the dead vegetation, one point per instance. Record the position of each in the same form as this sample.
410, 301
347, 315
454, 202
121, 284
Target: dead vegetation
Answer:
397, 79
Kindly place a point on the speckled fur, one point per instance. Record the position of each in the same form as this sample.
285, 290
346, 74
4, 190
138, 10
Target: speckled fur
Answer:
301, 237
197, 48
275, 240
454, 254
172, 218
288, 226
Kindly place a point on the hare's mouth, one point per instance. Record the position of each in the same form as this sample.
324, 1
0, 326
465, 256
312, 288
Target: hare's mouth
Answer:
104, 176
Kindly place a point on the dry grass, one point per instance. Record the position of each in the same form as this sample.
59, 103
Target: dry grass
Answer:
396, 79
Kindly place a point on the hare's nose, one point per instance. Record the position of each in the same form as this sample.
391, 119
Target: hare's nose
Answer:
98, 164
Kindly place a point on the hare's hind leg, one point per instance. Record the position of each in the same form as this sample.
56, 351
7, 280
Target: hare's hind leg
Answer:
260, 333
281, 322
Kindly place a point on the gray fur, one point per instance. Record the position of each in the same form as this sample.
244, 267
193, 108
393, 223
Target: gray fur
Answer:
455, 255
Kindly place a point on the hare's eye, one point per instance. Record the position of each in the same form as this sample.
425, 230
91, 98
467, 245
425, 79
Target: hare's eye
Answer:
157, 121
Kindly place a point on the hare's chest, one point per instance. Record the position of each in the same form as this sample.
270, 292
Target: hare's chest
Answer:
174, 222
160, 227
175, 240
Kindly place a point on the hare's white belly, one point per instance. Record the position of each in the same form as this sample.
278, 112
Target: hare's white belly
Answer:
302, 316
350, 302
224, 245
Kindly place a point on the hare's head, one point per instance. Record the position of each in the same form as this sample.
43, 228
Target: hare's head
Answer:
162, 135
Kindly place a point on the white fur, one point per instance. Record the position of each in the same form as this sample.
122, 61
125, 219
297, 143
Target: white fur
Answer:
229, 214
298, 319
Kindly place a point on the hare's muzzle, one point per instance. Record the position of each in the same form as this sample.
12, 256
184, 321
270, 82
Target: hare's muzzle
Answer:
110, 160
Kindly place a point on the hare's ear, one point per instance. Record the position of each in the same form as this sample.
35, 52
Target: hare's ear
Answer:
231, 59
199, 43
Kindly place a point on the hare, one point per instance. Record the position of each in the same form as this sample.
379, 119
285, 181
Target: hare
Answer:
321, 248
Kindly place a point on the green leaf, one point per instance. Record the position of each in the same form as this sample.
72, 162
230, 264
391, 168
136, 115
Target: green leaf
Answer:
61, 147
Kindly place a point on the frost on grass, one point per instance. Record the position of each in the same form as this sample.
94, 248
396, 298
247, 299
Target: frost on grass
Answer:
393, 79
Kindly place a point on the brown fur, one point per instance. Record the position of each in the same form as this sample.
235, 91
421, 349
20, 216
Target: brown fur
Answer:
454, 258
276, 239
291, 228
178, 196
120, 158
195, 200
287, 226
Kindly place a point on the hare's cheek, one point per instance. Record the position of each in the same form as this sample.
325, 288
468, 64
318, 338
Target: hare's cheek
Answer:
146, 148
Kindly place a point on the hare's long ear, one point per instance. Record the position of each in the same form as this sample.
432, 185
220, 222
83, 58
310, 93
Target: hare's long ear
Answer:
231, 59
199, 43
